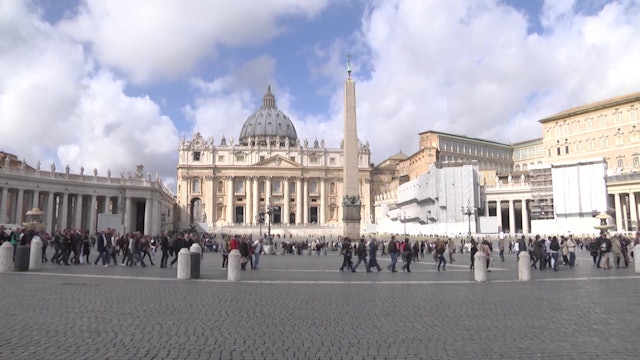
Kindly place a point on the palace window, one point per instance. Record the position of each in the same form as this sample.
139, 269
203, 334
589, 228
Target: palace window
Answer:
239, 186
220, 158
617, 117
195, 156
195, 185
589, 124
621, 163
220, 187
239, 158
332, 161
636, 162
313, 159
313, 187
633, 115
604, 142
603, 121
277, 187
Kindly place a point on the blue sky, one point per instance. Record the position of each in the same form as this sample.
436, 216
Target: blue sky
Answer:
113, 84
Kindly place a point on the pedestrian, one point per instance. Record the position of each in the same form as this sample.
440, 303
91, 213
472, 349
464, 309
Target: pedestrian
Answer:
473, 250
373, 252
225, 253
440, 249
102, 244
571, 248
361, 253
407, 254
164, 247
392, 249
257, 250
346, 255
554, 248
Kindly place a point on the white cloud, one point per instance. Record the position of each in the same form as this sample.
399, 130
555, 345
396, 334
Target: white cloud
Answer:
56, 106
150, 38
470, 68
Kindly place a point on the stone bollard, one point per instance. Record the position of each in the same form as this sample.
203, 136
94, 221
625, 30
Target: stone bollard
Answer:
524, 269
21, 261
35, 257
233, 268
184, 264
480, 267
6, 257
196, 254
636, 258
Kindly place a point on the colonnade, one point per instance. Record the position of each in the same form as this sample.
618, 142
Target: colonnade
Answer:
71, 201
626, 208
511, 214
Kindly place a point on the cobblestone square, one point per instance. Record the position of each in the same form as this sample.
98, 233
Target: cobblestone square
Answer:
301, 307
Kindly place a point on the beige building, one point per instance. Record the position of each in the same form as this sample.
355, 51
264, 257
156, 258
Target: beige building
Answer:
608, 129
225, 187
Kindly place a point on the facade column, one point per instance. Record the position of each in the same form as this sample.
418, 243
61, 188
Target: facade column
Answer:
525, 217
49, 213
625, 211
256, 197
512, 218
147, 216
619, 216
267, 191
499, 215
323, 203
299, 219
19, 207
486, 208
3, 205
286, 202
633, 207
249, 216
305, 202
93, 216
230, 219
64, 211
78, 212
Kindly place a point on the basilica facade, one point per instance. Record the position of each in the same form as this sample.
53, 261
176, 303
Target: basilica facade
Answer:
298, 184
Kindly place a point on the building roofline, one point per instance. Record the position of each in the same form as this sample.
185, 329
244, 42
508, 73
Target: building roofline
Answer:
598, 105
464, 137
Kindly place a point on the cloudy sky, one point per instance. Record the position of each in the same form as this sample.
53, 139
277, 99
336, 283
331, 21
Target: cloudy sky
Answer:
110, 84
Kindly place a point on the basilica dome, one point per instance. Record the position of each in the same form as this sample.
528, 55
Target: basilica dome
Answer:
268, 124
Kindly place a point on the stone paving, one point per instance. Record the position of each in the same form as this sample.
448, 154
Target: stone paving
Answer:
301, 307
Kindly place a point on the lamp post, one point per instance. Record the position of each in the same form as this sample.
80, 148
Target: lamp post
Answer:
468, 210
260, 221
404, 222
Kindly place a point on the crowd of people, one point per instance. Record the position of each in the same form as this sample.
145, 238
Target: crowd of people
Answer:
74, 247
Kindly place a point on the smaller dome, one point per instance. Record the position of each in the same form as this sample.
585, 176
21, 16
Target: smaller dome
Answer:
268, 122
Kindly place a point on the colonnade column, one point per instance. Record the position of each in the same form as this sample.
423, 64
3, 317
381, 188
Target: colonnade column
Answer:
286, 202
35, 202
512, 218
525, 217
78, 212
323, 203
3, 206
127, 214
633, 207
619, 216
250, 217
230, 219
299, 219
499, 214
147, 216
19, 206
305, 202
93, 214
155, 217
49, 212
64, 210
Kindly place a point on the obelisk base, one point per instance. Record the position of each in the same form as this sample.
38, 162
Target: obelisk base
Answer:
351, 221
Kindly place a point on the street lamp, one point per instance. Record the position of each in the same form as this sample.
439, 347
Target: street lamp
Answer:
260, 221
404, 222
468, 210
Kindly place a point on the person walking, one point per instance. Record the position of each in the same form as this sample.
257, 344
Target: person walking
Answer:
407, 253
440, 249
361, 253
346, 255
257, 250
102, 244
473, 250
571, 248
392, 249
373, 252
164, 247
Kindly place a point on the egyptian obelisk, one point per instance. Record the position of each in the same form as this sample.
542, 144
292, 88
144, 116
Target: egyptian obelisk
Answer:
351, 204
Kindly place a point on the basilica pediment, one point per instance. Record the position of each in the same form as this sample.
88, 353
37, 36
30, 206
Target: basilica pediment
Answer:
278, 161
